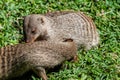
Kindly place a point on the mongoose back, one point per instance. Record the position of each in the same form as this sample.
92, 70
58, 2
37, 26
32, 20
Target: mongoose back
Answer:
38, 56
59, 25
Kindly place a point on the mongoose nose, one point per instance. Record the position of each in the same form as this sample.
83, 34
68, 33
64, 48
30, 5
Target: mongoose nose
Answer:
27, 41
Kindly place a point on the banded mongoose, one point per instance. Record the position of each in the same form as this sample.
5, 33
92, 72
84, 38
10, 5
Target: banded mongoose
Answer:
59, 25
38, 56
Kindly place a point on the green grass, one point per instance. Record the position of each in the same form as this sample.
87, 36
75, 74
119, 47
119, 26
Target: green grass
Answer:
100, 63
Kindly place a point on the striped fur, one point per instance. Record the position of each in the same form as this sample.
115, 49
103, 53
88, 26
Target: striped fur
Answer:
62, 24
16, 60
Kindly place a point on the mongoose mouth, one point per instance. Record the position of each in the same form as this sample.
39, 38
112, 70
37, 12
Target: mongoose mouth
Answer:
31, 40
36, 39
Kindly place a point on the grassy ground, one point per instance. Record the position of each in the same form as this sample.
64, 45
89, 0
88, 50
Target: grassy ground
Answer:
100, 63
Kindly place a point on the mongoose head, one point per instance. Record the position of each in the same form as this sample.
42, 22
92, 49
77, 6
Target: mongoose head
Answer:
35, 27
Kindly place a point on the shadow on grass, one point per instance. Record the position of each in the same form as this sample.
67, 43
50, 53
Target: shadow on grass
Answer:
27, 76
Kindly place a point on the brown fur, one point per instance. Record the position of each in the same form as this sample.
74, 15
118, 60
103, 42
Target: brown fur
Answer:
62, 24
38, 56
58, 13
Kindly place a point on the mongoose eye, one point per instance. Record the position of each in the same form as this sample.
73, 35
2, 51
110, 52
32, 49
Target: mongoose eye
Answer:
33, 31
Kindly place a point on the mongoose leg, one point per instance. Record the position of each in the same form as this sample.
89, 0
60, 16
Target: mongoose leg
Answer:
40, 72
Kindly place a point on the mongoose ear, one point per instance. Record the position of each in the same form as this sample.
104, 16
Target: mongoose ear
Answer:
68, 40
41, 20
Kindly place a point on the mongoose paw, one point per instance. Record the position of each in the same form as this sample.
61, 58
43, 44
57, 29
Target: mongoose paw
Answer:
68, 40
40, 72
